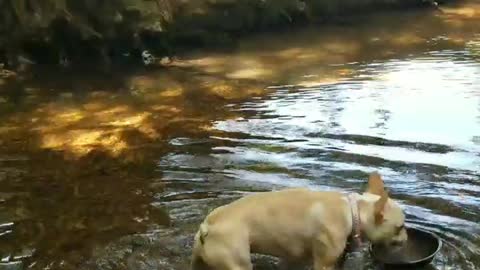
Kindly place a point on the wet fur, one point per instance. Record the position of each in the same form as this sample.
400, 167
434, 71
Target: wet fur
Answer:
296, 225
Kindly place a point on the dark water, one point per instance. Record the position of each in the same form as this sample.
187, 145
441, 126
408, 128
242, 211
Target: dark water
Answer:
119, 179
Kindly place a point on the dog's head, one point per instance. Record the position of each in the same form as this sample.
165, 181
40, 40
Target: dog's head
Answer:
385, 220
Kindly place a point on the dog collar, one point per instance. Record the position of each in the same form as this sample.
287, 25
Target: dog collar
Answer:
356, 222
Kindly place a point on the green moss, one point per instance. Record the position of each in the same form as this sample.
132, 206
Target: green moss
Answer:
267, 168
272, 148
274, 169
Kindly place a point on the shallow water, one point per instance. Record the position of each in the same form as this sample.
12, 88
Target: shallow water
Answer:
318, 108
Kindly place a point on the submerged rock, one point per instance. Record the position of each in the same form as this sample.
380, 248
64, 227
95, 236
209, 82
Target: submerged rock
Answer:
17, 265
169, 250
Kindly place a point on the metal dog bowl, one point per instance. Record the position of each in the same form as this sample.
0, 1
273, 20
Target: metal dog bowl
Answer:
419, 251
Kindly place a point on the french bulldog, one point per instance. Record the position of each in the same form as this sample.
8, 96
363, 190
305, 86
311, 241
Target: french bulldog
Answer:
297, 225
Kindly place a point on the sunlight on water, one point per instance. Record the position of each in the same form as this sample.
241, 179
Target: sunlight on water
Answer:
412, 119
401, 104
412, 101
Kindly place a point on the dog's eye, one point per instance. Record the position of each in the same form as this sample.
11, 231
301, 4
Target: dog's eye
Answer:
400, 228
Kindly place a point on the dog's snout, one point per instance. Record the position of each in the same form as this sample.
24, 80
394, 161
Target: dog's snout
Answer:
398, 243
401, 240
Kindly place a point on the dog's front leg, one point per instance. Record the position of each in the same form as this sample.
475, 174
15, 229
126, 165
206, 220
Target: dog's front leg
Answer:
326, 254
324, 262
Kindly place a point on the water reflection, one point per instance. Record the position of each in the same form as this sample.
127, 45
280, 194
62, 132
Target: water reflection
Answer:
413, 119
404, 104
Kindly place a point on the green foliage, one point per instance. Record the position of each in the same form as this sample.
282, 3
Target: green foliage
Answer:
50, 22
93, 18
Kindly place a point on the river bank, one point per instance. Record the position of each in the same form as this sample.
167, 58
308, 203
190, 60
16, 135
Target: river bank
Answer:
115, 32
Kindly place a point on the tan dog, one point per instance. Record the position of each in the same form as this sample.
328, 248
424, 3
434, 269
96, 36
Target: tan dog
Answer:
296, 225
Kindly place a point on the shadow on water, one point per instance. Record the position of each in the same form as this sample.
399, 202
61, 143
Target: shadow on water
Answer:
117, 172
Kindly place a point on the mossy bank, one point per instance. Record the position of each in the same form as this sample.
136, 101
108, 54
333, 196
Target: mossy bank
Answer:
73, 32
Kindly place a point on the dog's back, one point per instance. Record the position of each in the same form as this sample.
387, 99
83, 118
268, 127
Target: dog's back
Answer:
266, 223
295, 224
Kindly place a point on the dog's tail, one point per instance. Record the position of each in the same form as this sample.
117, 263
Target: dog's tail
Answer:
197, 262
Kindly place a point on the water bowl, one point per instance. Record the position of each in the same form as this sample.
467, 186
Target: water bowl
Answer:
419, 251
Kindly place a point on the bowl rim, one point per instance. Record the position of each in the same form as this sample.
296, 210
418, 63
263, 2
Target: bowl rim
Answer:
429, 257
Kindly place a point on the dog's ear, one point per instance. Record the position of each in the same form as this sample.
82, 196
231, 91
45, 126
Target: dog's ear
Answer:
379, 208
375, 184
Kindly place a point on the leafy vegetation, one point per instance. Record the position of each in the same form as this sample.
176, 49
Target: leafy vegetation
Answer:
65, 31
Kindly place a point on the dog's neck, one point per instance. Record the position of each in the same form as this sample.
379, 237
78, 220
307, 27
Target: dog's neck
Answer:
356, 234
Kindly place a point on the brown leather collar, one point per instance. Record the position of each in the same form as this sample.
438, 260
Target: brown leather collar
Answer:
356, 222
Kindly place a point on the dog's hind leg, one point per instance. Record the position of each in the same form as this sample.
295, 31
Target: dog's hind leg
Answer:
223, 256
219, 249
245, 265
197, 261
230, 261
